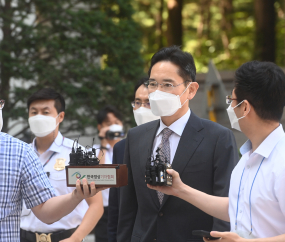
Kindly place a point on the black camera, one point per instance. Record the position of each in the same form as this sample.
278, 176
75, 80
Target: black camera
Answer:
79, 157
113, 135
115, 131
155, 173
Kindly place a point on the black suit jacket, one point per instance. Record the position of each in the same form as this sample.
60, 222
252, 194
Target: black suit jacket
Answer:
114, 194
205, 158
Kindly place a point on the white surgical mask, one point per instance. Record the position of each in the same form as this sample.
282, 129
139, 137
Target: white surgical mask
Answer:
144, 115
1, 120
42, 125
233, 118
116, 128
165, 104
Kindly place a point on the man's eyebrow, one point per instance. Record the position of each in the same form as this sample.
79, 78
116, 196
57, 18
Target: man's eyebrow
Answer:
40, 108
137, 99
168, 80
164, 80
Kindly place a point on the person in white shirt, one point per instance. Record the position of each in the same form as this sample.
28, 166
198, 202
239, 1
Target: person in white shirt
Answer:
256, 203
46, 111
108, 119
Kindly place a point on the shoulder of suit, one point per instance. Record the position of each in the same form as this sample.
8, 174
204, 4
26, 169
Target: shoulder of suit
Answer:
120, 144
208, 124
146, 126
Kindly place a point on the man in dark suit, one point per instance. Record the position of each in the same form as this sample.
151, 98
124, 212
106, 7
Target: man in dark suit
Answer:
203, 152
142, 114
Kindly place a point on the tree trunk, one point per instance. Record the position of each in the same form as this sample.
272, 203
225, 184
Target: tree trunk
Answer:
5, 60
159, 21
265, 19
226, 8
174, 22
205, 19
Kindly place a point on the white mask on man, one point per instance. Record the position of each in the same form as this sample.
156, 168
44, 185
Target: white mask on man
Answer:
165, 104
1, 120
233, 117
42, 125
144, 115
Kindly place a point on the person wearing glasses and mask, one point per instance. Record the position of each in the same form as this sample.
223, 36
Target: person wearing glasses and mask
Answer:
142, 114
46, 109
203, 152
255, 206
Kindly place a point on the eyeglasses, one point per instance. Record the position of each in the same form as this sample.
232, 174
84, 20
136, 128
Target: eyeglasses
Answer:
165, 86
229, 99
138, 104
2, 102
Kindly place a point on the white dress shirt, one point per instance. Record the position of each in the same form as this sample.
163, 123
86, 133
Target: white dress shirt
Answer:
62, 148
268, 192
177, 127
108, 160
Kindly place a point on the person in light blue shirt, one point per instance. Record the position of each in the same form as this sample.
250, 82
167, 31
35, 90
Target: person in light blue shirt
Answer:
23, 178
256, 203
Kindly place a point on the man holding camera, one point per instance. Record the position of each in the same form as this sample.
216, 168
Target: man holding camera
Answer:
110, 128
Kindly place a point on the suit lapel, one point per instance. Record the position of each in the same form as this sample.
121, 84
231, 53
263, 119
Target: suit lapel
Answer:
145, 151
189, 141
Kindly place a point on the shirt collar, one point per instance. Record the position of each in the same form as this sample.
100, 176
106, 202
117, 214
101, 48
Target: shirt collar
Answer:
55, 146
178, 126
265, 148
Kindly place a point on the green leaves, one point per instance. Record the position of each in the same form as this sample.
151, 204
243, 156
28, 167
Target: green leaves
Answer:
87, 50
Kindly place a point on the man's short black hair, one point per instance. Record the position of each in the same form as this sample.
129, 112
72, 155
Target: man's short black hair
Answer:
102, 114
182, 59
262, 84
139, 83
48, 94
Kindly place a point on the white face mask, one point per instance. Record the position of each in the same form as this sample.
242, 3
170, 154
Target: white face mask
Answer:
116, 128
42, 125
165, 104
233, 118
144, 115
1, 120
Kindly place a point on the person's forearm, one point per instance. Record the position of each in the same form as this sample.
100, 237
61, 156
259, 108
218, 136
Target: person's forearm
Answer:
279, 238
212, 205
90, 219
56, 207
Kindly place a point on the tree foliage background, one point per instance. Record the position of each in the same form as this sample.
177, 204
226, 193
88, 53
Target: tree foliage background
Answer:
88, 50
93, 51
230, 32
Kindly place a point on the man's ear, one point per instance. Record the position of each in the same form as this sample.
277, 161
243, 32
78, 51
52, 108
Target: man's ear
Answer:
192, 90
61, 117
246, 107
99, 126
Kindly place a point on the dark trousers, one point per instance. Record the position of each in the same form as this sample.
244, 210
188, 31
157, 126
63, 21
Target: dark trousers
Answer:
100, 229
